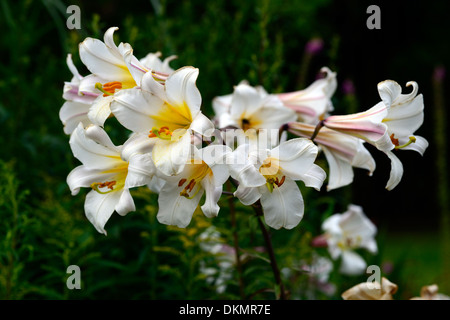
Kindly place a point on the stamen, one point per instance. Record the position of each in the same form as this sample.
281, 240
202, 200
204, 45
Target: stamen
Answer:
107, 184
181, 182
163, 133
394, 140
281, 182
191, 185
188, 188
109, 88
412, 139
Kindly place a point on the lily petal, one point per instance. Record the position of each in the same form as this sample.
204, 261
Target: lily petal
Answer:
92, 154
202, 125
82, 177
247, 195
140, 170
396, 171
341, 171
352, 264
100, 110
213, 193
134, 108
182, 90
283, 207
102, 60
126, 203
170, 157
420, 145
175, 209
72, 113
99, 207
296, 156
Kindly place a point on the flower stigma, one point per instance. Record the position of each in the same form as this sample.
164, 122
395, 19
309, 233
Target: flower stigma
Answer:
271, 172
412, 139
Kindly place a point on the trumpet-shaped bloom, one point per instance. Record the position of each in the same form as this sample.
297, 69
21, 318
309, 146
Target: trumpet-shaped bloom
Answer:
313, 103
76, 107
251, 108
388, 125
169, 114
110, 172
343, 152
205, 173
349, 231
114, 68
403, 118
269, 176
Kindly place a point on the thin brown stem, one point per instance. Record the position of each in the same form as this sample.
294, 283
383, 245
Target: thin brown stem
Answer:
317, 129
273, 262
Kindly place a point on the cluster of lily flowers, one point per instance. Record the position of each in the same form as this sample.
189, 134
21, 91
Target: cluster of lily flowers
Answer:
179, 153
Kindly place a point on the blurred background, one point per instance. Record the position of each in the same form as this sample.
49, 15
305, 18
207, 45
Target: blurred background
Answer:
43, 229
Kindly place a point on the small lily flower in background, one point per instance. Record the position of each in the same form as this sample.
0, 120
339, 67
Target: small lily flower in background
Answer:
273, 181
343, 152
205, 173
313, 103
349, 231
371, 291
221, 272
431, 292
152, 61
169, 114
110, 172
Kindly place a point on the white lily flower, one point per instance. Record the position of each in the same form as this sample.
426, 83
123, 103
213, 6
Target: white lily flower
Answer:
388, 125
109, 170
114, 68
313, 103
349, 231
205, 172
251, 108
153, 62
343, 152
77, 105
269, 176
170, 113
404, 116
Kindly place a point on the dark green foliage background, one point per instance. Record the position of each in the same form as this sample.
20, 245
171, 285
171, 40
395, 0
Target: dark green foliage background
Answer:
43, 229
